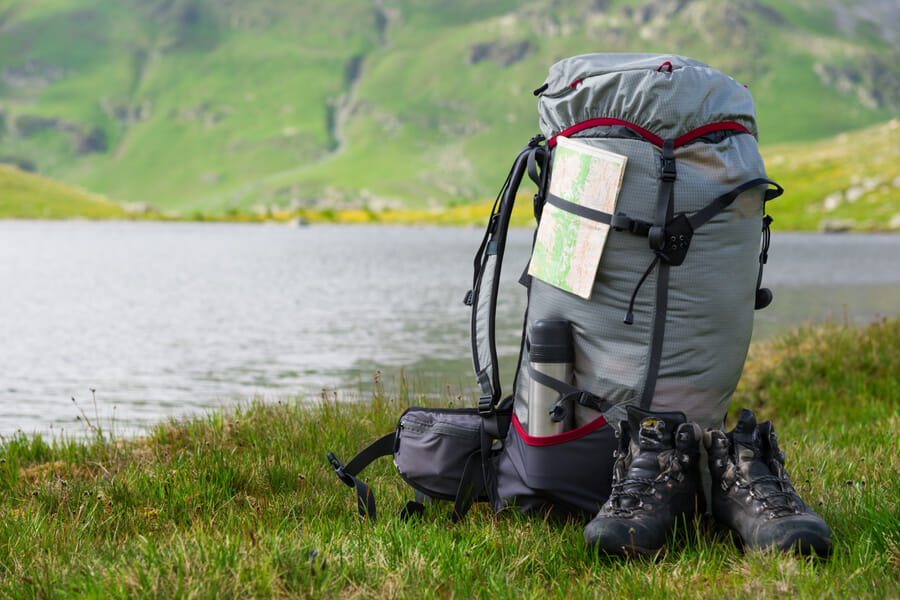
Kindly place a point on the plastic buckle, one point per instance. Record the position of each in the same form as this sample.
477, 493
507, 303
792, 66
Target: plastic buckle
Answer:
492, 223
640, 227
657, 237
486, 406
558, 412
668, 171
621, 222
678, 235
339, 466
536, 140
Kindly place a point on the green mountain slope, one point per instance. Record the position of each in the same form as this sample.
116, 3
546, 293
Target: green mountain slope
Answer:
850, 181
220, 105
30, 196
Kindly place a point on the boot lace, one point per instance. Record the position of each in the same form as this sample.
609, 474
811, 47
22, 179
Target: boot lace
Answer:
635, 488
640, 489
776, 494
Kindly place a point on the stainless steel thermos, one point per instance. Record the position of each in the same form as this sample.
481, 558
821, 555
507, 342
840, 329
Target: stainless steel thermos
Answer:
550, 352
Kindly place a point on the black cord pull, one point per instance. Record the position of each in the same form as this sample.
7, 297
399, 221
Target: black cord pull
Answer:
629, 316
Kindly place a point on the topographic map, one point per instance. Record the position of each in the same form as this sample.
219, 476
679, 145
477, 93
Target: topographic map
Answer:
568, 247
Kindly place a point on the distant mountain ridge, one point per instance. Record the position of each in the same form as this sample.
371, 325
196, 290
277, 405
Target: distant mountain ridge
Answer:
218, 105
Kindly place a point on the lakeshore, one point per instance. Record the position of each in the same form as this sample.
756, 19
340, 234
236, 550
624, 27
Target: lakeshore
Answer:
168, 319
242, 503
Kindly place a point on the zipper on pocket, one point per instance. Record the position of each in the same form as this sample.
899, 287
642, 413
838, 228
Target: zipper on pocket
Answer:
439, 427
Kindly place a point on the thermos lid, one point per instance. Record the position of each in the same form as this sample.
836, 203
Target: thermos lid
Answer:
551, 342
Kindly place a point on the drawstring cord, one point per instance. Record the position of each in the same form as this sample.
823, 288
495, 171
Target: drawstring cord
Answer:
629, 317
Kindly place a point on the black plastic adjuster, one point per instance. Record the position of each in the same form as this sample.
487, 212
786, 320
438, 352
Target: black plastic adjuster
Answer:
621, 222
486, 406
536, 140
469, 299
657, 237
678, 235
640, 227
339, 466
667, 171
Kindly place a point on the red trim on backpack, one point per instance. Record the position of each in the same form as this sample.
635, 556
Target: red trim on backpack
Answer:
723, 126
664, 65
550, 440
575, 83
647, 135
650, 137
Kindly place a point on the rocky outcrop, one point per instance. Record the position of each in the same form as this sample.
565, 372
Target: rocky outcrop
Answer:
501, 52
873, 82
33, 73
85, 140
126, 113
23, 164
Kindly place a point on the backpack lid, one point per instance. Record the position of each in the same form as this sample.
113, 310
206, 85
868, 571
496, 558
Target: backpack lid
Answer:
665, 94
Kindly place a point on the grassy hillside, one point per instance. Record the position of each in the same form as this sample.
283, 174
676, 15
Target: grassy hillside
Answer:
850, 181
202, 105
29, 196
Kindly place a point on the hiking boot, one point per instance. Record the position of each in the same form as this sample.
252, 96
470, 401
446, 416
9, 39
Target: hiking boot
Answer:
753, 495
656, 483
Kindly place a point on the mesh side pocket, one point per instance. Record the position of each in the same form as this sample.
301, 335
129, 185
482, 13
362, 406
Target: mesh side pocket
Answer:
565, 475
433, 446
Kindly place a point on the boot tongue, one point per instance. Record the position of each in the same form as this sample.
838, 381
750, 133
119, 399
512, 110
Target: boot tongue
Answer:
654, 431
655, 434
748, 447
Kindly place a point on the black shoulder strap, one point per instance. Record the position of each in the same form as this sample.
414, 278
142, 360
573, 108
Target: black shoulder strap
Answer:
722, 202
365, 497
486, 281
471, 486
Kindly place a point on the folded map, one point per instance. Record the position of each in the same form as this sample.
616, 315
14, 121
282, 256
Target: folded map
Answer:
568, 247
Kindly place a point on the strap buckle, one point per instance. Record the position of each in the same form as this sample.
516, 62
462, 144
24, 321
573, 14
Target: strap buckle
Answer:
622, 222
657, 238
486, 406
677, 240
339, 467
536, 140
592, 401
667, 170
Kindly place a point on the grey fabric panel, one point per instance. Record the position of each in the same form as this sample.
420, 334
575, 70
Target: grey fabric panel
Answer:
433, 448
711, 296
571, 476
629, 87
482, 317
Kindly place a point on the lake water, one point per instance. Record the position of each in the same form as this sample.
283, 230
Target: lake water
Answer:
169, 319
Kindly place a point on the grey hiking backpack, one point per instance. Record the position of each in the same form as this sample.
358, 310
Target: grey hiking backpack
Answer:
666, 319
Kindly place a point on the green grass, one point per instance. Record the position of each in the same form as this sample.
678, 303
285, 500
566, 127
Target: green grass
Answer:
241, 503
28, 196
